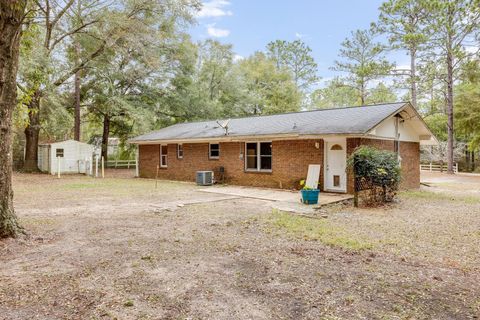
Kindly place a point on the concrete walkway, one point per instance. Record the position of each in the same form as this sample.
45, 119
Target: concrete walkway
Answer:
284, 200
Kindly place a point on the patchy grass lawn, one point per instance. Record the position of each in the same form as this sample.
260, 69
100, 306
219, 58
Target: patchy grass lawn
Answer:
439, 196
102, 249
317, 230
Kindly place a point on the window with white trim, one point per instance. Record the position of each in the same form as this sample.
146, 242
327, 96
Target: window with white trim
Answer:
258, 156
163, 156
214, 151
59, 153
180, 151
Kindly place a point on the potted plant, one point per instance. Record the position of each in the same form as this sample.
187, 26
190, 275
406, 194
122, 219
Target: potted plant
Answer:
309, 195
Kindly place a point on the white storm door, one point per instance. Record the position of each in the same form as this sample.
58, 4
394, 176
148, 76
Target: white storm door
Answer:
336, 164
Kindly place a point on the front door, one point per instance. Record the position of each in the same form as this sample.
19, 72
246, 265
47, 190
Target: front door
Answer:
336, 164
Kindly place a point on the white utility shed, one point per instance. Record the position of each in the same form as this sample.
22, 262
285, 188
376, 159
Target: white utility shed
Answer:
74, 157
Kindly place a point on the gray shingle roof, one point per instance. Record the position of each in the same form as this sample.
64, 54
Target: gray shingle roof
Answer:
352, 120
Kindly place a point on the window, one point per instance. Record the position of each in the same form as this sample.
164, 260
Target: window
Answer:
214, 151
258, 156
336, 147
163, 155
59, 153
180, 151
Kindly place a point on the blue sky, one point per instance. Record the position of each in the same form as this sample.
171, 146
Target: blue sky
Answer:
249, 25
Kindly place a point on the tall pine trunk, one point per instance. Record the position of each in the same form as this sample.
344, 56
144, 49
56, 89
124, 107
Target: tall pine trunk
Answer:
11, 14
32, 132
105, 135
77, 94
413, 76
450, 138
363, 93
77, 107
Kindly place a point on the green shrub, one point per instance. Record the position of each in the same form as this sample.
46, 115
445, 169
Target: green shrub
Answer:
378, 171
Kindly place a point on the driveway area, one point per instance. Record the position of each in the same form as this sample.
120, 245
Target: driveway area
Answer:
121, 248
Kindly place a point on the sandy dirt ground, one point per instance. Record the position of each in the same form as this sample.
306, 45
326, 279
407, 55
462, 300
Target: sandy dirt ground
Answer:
119, 248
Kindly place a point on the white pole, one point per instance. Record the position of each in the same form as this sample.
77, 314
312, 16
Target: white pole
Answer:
96, 167
91, 166
103, 167
58, 167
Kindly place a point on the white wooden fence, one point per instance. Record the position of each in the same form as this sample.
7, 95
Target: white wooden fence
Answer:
121, 164
437, 167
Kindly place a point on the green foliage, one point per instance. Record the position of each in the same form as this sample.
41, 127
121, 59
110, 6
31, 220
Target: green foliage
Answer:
271, 90
363, 62
403, 21
378, 170
437, 123
379, 166
467, 106
296, 57
335, 94
304, 187
339, 94
381, 94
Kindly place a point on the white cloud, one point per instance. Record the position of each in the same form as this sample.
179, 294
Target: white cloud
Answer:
238, 57
300, 35
214, 8
472, 49
402, 67
217, 32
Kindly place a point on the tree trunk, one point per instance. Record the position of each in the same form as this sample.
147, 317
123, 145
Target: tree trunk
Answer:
32, 132
413, 76
467, 159
77, 106
11, 14
362, 93
105, 135
473, 161
450, 139
77, 94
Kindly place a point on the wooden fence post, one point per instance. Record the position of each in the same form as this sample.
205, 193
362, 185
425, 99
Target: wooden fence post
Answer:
96, 167
103, 167
58, 167
136, 165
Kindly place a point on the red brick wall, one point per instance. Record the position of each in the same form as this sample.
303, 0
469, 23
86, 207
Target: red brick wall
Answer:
409, 152
290, 160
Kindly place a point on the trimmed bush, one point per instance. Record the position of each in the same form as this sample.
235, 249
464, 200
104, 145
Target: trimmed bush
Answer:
377, 174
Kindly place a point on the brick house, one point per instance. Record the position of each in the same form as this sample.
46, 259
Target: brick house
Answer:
275, 150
